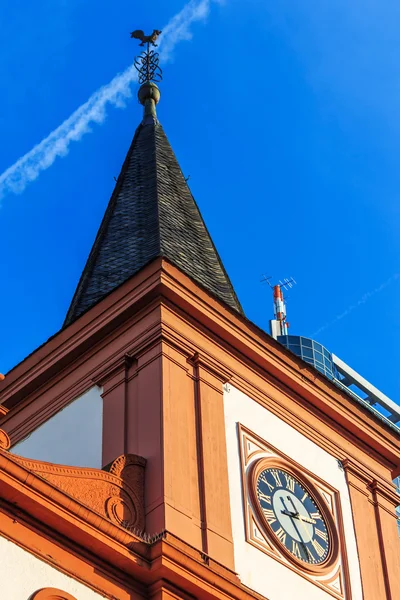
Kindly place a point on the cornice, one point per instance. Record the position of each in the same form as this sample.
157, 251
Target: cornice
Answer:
368, 483
202, 361
116, 493
80, 337
159, 283
384, 491
259, 351
119, 367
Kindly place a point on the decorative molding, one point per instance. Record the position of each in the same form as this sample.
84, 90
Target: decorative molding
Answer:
117, 492
102, 375
51, 594
333, 577
161, 284
211, 366
368, 483
318, 495
5, 442
389, 494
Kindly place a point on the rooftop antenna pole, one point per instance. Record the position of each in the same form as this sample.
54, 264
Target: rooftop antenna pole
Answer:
279, 325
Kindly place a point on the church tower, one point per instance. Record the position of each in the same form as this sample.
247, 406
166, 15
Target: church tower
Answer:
160, 445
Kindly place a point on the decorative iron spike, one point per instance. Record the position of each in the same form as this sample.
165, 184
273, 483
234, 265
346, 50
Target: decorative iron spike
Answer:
147, 64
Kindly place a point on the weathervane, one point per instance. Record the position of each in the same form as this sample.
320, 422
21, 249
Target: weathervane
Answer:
147, 64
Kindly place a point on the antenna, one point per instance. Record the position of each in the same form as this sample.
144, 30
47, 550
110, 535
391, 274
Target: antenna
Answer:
279, 325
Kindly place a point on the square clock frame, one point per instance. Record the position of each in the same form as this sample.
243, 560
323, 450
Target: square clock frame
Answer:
327, 565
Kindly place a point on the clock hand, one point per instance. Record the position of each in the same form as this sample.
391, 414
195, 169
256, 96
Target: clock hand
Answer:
304, 519
296, 512
297, 515
292, 515
285, 511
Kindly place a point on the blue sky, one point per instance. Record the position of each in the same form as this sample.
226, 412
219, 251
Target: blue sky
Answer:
285, 115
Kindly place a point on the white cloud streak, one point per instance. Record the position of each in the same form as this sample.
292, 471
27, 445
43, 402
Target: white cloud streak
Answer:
27, 168
364, 298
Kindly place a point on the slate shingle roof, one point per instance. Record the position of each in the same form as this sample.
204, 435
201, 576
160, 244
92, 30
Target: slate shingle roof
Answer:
151, 213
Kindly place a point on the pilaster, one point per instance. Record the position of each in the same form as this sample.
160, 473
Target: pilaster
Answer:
385, 501
373, 506
209, 378
180, 446
114, 383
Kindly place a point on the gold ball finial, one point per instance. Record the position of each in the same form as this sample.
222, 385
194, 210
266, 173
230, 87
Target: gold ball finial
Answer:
148, 91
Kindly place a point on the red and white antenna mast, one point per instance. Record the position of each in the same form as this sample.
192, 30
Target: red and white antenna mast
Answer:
279, 325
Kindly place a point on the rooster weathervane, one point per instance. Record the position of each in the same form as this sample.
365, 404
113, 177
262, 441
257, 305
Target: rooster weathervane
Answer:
147, 64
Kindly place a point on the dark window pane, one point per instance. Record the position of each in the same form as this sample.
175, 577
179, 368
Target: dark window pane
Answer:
295, 348
306, 342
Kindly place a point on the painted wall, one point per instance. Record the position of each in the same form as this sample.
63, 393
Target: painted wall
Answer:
71, 437
22, 574
257, 570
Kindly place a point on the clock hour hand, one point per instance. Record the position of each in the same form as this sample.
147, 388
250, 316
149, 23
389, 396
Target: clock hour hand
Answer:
297, 515
296, 512
285, 511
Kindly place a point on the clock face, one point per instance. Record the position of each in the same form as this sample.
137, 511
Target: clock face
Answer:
293, 516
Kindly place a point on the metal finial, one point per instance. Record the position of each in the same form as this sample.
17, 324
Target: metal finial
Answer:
147, 64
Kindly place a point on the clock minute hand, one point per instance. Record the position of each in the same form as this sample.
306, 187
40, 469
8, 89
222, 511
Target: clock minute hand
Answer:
304, 519
292, 515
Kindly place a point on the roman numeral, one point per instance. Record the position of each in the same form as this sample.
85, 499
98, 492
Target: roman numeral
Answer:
322, 534
280, 534
296, 550
315, 516
265, 480
264, 497
275, 475
318, 548
290, 483
269, 515
304, 497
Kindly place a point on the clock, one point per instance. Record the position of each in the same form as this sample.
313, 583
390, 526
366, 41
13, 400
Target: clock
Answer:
293, 515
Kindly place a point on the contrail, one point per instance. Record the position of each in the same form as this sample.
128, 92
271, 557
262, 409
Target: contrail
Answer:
27, 168
352, 307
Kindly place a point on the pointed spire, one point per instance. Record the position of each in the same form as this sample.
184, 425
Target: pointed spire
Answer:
151, 214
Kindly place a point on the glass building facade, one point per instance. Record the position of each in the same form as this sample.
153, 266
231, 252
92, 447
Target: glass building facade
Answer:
319, 357
311, 352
